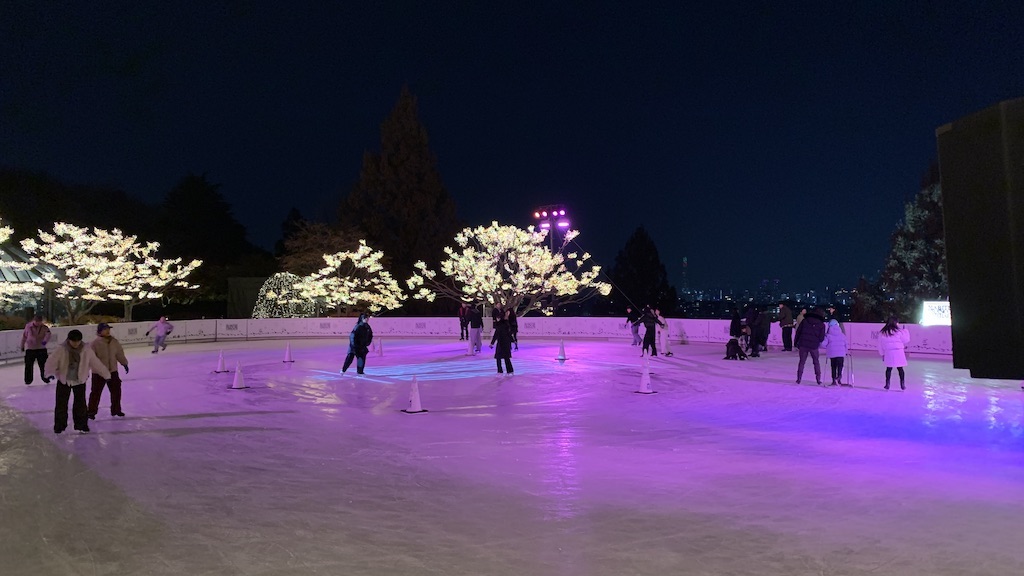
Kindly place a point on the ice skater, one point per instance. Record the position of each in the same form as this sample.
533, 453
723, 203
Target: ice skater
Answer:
33, 344
110, 352
786, 323
809, 335
633, 321
463, 322
650, 321
359, 340
503, 337
161, 330
892, 346
663, 338
476, 329
836, 349
70, 363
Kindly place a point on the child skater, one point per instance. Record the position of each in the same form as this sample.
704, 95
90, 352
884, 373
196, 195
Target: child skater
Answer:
892, 345
835, 348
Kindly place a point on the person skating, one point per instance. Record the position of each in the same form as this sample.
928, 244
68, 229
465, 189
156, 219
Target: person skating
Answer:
476, 329
110, 352
513, 328
161, 330
359, 340
503, 337
663, 337
809, 335
786, 323
70, 363
892, 346
650, 322
33, 343
835, 350
632, 320
463, 322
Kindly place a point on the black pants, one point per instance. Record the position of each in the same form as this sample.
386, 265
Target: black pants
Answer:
463, 329
787, 338
508, 364
888, 374
360, 362
649, 342
60, 411
97, 392
38, 357
837, 368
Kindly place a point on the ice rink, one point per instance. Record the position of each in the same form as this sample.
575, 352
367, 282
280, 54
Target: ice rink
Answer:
729, 469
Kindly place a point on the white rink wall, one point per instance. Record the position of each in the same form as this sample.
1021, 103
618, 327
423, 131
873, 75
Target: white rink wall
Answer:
923, 339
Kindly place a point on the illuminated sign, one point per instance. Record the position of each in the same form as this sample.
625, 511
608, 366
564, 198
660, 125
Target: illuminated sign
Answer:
936, 314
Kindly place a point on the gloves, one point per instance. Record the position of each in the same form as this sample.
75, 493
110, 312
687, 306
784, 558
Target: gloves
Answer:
147, 332
125, 369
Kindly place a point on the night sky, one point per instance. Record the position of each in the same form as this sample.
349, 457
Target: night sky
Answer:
759, 139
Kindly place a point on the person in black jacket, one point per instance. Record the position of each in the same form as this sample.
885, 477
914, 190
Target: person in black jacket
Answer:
649, 319
513, 327
359, 344
808, 338
503, 337
633, 319
476, 328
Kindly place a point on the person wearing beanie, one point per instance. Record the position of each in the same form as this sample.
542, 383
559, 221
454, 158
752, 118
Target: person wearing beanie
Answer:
110, 352
71, 363
835, 349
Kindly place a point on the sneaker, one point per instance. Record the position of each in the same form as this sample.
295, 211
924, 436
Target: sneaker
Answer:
121, 414
92, 416
58, 430
48, 379
153, 352
28, 383
84, 430
164, 347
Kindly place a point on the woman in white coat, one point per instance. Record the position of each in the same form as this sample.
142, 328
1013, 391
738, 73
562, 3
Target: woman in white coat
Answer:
892, 345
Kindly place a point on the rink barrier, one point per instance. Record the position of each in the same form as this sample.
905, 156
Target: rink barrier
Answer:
923, 339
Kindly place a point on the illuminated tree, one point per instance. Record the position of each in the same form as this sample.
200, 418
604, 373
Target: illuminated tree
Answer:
304, 249
9, 291
510, 267
352, 280
93, 267
278, 298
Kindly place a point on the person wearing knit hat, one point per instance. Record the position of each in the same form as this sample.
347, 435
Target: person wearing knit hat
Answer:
70, 363
835, 349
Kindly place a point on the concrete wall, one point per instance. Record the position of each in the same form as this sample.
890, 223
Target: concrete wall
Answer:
924, 339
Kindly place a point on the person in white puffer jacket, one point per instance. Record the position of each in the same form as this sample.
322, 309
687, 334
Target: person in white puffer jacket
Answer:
160, 331
892, 346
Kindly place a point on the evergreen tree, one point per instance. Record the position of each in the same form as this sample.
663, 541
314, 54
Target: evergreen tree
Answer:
400, 202
640, 278
292, 222
915, 269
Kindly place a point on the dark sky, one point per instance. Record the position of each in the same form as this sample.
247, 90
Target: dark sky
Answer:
760, 139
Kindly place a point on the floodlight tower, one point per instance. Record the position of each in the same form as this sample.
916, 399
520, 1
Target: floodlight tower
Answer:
552, 218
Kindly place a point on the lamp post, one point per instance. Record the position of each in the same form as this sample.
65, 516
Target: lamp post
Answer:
552, 218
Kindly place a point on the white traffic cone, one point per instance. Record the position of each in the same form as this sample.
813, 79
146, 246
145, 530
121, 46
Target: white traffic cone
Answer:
288, 353
561, 351
380, 347
220, 364
414, 398
645, 379
239, 381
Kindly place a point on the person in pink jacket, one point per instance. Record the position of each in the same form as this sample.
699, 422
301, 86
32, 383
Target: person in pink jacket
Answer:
892, 345
33, 344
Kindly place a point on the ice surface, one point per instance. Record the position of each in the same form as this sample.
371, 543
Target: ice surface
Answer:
731, 468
